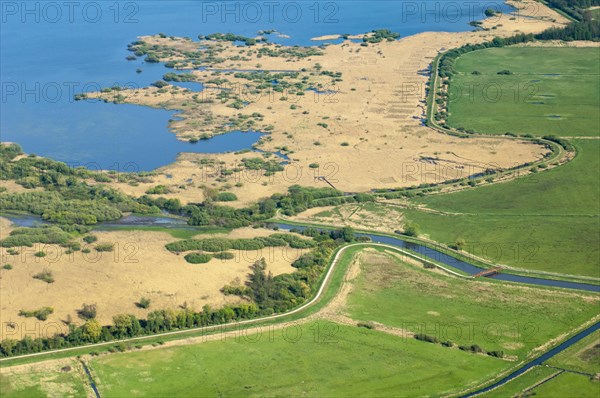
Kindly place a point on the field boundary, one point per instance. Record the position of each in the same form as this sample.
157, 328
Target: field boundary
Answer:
460, 255
325, 281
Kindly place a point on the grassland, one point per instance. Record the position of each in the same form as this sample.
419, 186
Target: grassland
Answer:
508, 318
521, 383
568, 385
548, 91
547, 221
317, 358
58, 379
318, 364
581, 357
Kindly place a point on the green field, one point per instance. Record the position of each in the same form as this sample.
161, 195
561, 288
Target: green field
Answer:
521, 383
550, 91
44, 382
322, 362
568, 385
495, 316
581, 357
548, 221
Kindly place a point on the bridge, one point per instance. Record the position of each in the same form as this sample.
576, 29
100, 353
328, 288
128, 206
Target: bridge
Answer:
488, 272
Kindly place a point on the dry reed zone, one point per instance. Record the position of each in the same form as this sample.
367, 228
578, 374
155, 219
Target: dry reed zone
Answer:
140, 266
376, 111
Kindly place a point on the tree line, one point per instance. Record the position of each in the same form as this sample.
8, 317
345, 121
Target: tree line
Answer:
267, 295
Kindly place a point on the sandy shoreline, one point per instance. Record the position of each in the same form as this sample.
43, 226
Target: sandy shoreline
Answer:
367, 133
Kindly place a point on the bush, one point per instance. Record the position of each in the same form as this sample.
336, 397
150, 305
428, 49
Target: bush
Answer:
41, 314
411, 229
197, 258
105, 247
40, 254
143, 303
7, 266
314, 165
45, 276
29, 236
426, 337
158, 190
224, 255
88, 311
497, 354
365, 325
226, 197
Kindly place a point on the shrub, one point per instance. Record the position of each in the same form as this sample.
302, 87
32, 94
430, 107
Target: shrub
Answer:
105, 247
224, 255
314, 165
197, 258
226, 197
411, 229
7, 266
158, 190
45, 276
143, 303
497, 354
41, 314
88, 311
365, 325
29, 236
160, 84
426, 337
40, 254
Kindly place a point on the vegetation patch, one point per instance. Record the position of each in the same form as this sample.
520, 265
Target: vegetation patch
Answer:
198, 258
41, 314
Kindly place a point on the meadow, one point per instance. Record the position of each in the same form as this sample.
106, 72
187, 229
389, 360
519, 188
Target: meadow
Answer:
527, 90
318, 357
584, 356
495, 316
60, 379
308, 363
547, 221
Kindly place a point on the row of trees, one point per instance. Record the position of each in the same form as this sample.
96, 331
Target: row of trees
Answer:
268, 294
126, 326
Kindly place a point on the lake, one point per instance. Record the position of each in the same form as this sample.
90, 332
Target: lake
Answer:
53, 50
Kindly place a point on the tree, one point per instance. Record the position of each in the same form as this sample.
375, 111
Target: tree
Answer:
411, 229
348, 234
490, 12
122, 324
7, 346
460, 243
91, 330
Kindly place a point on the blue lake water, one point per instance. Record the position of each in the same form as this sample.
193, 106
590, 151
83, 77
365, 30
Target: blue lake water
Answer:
53, 50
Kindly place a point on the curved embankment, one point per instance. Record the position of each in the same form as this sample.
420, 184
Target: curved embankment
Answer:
438, 256
317, 297
392, 243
